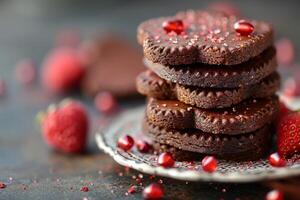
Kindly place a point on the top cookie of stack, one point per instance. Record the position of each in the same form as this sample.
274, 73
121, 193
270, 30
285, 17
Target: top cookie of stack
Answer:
203, 37
212, 79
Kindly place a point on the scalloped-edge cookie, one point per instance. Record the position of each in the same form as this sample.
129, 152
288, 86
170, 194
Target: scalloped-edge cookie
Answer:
245, 117
249, 146
151, 85
208, 37
203, 75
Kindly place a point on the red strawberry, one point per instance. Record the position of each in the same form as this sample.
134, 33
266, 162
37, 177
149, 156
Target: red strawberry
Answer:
62, 70
65, 127
289, 135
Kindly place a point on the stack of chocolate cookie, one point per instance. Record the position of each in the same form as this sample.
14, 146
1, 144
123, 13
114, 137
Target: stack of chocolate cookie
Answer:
211, 84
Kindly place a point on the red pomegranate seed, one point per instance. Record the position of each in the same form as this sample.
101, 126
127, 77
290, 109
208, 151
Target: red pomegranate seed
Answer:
25, 72
173, 26
243, 27
276, 161
132, 190
143, 146
2, 185
106, 103
153, 191
285, 52
165, 159
274, 195
209, 164
2, 88
84, 189
125, 142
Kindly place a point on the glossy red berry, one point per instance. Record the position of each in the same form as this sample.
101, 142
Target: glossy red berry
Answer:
153, 191
84, 189
274, 195
209, 164
243, 27
288, 135
276, 161
165, 159
173, 26
143, 146
106, 103
132, 190
25, 72
126, 142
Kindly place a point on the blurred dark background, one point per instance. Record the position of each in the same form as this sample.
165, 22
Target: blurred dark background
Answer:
28, 29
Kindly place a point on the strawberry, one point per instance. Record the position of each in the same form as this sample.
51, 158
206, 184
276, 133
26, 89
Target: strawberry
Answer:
62, 70
65, 127
289, 135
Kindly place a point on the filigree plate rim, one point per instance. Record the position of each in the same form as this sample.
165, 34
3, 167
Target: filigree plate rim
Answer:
179, 173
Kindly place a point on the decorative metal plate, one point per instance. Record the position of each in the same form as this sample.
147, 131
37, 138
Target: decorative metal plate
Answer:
130, 122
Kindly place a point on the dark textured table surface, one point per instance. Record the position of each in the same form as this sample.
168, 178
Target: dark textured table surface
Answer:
30, 169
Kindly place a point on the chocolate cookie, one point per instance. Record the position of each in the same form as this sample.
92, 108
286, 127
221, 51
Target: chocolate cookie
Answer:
206, 37
250, 146
181, 155
202, 75
245, 117
149, 84
113, 63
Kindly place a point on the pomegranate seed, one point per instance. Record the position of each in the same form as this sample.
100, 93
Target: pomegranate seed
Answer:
173, 26
285, 52
25, 72
143, 146
209, 164
166, 160
84, 189
276, 161
274, 195
153, 191
243, 27
291, 88
132, 190
2, 88
2, 185
106, 103
125, 142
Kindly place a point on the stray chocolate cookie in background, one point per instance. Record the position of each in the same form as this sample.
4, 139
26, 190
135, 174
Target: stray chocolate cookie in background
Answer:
113, 63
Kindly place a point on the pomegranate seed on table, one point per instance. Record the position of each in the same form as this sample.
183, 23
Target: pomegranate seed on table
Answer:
153, 191
143, 146
243, 27
276, 161
173, 26
274, 195
126, 142
165, 159
106, 103
209, 164
132, 190
285, 52
25, 72
2, 185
